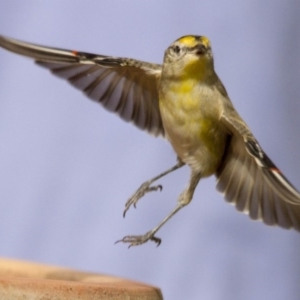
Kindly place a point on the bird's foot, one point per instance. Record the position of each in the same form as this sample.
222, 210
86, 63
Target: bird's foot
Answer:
142, 190
135, 240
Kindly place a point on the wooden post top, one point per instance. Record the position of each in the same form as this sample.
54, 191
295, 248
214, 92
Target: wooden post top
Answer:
27, 280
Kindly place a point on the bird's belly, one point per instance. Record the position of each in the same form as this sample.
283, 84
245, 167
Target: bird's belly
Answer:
196, 136
197, 146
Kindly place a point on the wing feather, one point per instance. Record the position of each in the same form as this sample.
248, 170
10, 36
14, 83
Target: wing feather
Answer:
250, 180
125, 86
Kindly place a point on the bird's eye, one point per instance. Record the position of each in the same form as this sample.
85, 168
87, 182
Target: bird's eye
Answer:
176, 49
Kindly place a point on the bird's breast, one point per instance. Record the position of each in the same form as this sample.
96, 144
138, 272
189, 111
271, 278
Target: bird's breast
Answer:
191, 121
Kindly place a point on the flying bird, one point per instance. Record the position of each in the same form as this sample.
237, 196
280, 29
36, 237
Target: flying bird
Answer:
183, 101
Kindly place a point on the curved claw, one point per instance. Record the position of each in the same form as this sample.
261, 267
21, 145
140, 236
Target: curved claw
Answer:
135, 240
142, 190
149, 189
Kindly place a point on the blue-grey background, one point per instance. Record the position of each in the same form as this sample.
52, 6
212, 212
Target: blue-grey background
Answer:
67, 166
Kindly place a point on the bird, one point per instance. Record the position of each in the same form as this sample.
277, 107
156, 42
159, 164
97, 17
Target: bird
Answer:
183, 101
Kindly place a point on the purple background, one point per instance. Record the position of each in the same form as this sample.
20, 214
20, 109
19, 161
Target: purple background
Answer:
67, 166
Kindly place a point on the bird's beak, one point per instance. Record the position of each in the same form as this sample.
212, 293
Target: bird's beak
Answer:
200, 49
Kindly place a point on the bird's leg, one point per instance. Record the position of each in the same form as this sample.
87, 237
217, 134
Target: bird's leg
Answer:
145, 187
183, 200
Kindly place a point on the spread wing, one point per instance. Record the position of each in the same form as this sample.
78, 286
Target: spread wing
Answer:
251, 181
125, 86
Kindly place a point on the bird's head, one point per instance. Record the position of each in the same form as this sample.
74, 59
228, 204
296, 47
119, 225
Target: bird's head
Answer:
190, 56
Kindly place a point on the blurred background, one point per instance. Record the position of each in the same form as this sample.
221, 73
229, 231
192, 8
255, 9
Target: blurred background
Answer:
67, 166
